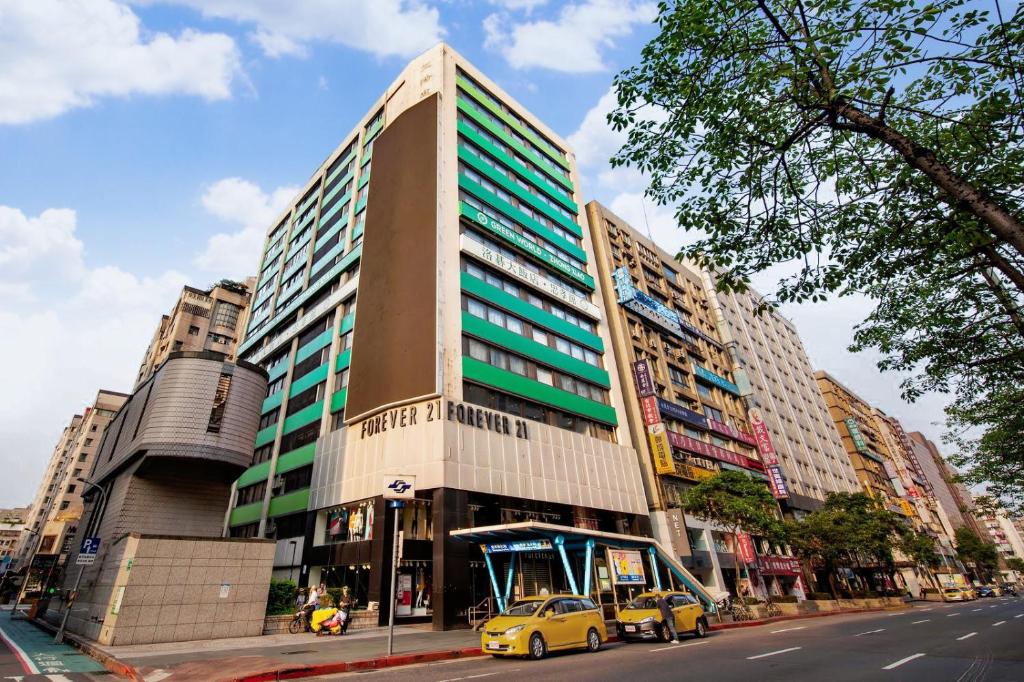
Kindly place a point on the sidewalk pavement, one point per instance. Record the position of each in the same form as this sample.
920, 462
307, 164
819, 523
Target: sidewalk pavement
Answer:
286, 656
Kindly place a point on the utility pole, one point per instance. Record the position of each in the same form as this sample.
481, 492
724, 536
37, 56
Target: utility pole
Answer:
59, 637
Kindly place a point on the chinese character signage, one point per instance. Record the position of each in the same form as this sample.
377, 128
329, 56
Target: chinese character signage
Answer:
642, 378
763, 438
732, 432
854, 429
517, 546
745, 548
680, 413
711, 377
776, 481
660, 449
778, 565
627, 567
699, 447
649, 406
652, 309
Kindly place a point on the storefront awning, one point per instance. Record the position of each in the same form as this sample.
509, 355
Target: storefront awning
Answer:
532, 536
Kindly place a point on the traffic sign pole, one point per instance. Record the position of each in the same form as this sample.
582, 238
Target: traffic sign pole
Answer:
59, 637
86, 557
397, 506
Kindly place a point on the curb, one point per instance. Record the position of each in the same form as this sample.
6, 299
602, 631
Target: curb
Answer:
290, 673
802, 616
112, 664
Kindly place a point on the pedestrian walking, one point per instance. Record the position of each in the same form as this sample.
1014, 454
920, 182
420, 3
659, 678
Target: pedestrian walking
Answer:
300, 599
670, 618
345, 605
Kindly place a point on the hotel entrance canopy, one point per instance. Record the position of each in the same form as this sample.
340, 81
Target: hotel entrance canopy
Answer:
536, 536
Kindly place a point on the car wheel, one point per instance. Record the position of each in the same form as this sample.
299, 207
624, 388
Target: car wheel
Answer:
537, 646
701, 631
593, 640
664, 634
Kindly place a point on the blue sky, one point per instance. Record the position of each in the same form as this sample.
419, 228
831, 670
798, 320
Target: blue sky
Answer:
147, 144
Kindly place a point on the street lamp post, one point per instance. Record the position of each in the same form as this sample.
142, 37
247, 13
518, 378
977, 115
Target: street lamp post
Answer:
291, 568
59, 637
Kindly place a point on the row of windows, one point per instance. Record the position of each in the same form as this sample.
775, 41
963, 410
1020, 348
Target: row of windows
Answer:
526, 234
525, 262
529, 330
514, 177
519, 137
517, 364
522, 206
527, 294
503, 402
484, 133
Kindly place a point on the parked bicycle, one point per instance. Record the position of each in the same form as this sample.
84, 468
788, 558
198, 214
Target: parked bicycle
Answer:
771, 608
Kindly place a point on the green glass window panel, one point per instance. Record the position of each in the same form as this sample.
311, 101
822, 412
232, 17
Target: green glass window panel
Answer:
319, 341
482, 373
343, 360
321, 239
288, 504
347, 323
334, 209
512, 142
546, 355
544, 146
278, 370
473, 160
363, 179
307, 415
265, 436
248, 513
309, 380
254, 474
331, 253
518, 306
360, 206
338, 400
272, 401
299, 457
508, 209
527, 174
340, 169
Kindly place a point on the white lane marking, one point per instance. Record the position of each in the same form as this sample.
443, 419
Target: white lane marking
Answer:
679, 646
870, 632
967, 636
926, 620
774, 653
802, 627
1019, 615
158, 675
975, 609
950, 615
58, 678
998, 623
902, 661
994, 606
927, 609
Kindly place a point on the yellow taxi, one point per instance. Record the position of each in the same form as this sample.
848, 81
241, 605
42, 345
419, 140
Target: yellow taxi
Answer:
953, 594
641, 619
536, 625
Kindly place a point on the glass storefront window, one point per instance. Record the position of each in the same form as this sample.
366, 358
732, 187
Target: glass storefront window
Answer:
349, 523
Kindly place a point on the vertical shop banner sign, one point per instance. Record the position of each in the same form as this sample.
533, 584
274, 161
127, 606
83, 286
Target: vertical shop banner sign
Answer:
649, 406
761, 435
627, 567
661, 449
677, 532
745, 548
854, 428
776, 481
642, 377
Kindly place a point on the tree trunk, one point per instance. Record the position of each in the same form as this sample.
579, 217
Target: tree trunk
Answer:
963, 194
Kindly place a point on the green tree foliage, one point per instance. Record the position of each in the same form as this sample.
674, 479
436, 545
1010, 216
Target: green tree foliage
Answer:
919, 547
874, 147
736, 503
978, 554
281, 597
1015, 563
849, 531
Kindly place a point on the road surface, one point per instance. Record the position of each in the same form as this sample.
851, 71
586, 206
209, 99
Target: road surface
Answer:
968, 642
29, 655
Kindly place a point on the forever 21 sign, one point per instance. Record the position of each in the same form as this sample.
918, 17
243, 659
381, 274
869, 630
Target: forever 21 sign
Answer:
410, 415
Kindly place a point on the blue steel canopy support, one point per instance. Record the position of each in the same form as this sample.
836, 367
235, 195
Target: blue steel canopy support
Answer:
560, 543
494, 581
654, 567
587, 568
511, 572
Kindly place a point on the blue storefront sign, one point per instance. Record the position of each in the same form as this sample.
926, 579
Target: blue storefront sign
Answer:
680, 413
518, 546
712, 378
654, 310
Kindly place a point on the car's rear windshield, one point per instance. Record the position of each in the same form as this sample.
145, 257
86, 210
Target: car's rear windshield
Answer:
523, 608
643, 603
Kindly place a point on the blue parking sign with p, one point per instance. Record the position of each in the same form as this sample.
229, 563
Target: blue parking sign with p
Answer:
87, 553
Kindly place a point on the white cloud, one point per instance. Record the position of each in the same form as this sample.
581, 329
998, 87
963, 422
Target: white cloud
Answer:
56, 56
519, 5
382, 27
68, 331
240, 202
573, 41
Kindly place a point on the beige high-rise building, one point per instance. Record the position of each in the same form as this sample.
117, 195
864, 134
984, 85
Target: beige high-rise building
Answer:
12, 524
58, 505
212, 319
775, 374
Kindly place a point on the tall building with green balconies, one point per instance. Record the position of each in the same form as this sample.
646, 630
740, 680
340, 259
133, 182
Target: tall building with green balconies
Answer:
437, 317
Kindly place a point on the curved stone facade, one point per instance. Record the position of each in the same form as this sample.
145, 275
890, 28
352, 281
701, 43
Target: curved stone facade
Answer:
196, 406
